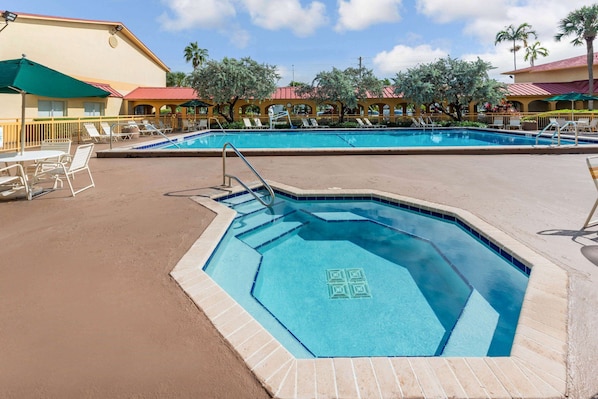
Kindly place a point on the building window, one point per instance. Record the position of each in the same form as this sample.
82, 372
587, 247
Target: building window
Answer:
93, 109
52, 109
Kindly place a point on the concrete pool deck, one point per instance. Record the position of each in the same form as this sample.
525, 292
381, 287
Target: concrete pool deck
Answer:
88, 308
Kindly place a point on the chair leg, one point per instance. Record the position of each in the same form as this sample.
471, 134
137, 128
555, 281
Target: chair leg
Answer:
589, 222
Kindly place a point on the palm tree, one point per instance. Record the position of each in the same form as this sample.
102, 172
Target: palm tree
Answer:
582, 24
176, 79
534, 51
522, 33
196, 55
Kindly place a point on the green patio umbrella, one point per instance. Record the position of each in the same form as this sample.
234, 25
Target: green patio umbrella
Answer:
195, 103
573, 96
27, 77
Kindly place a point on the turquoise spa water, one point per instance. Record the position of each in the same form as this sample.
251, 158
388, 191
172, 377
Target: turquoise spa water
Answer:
352, 278
385, 138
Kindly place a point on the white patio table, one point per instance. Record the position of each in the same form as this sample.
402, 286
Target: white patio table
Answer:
29, 156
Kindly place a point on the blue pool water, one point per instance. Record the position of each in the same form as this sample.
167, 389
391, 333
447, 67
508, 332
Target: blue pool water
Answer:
359, 277
385, 138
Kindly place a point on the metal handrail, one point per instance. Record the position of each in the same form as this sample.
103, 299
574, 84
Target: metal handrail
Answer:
230, 177
217, 121
557, 131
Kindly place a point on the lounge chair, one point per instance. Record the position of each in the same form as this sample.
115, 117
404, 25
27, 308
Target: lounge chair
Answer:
314, 123
151, 129
497, 123
415, 122
13, 181
67, 170
106, 129
361, 124
425, 124
163, 127
370, 124
514, 123
187, 126
258, 124
202, 124
96, 136
591, 127
247, 124
305, 123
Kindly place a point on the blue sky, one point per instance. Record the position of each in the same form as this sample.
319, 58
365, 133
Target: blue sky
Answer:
304, 37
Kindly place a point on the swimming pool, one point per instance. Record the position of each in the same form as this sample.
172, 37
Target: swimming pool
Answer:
352, 139
360, 277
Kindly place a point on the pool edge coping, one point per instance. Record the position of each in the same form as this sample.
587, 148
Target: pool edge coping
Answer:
536, 368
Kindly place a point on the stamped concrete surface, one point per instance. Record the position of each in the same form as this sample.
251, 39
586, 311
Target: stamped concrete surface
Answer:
87, 308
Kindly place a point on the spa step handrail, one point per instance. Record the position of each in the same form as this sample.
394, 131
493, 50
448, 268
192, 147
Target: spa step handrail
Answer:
217, 121
245, 186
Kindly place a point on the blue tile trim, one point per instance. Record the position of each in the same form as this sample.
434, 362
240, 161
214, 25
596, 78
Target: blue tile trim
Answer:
513, 260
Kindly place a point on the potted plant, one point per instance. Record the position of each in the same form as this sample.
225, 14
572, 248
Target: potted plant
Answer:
529, 124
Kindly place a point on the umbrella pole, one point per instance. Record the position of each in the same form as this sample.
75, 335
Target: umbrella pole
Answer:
23, 94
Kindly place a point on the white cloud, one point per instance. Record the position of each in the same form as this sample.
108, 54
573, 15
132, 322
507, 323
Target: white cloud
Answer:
360, 14
191, 14
287, 14
443, 12
401, 58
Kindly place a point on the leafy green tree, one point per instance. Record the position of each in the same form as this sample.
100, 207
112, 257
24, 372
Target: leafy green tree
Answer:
582, 24
344, 88
176, 79
450, 84
226, 82
534, 51
521, 33
197, 56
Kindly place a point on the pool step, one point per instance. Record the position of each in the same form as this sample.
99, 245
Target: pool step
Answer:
260, 237
259, 219
472, 335
244, 198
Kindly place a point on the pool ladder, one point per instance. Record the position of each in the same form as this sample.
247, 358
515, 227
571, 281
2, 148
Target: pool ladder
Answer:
557, 132
249, 190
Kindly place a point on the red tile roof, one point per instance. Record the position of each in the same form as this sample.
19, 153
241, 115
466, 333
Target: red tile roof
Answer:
574, 62
162, 93
108, 88
548, 89
289, 93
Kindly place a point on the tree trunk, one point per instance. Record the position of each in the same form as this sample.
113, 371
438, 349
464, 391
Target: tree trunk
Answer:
514, 54
590, 47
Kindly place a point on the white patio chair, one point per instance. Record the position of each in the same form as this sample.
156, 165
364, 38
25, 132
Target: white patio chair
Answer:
96, 136
202, 124
63, 145
13, 181
247, 124
163, 127
498, 122
106, 129
314, 123
59, 170
258, 124
514, 123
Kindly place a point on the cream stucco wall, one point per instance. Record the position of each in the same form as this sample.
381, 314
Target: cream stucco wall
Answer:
86, 50
555, 76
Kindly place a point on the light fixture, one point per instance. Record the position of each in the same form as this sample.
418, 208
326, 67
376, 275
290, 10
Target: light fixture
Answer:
115, 29
8, 17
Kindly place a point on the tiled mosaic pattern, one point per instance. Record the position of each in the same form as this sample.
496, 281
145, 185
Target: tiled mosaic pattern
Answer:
347, 284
